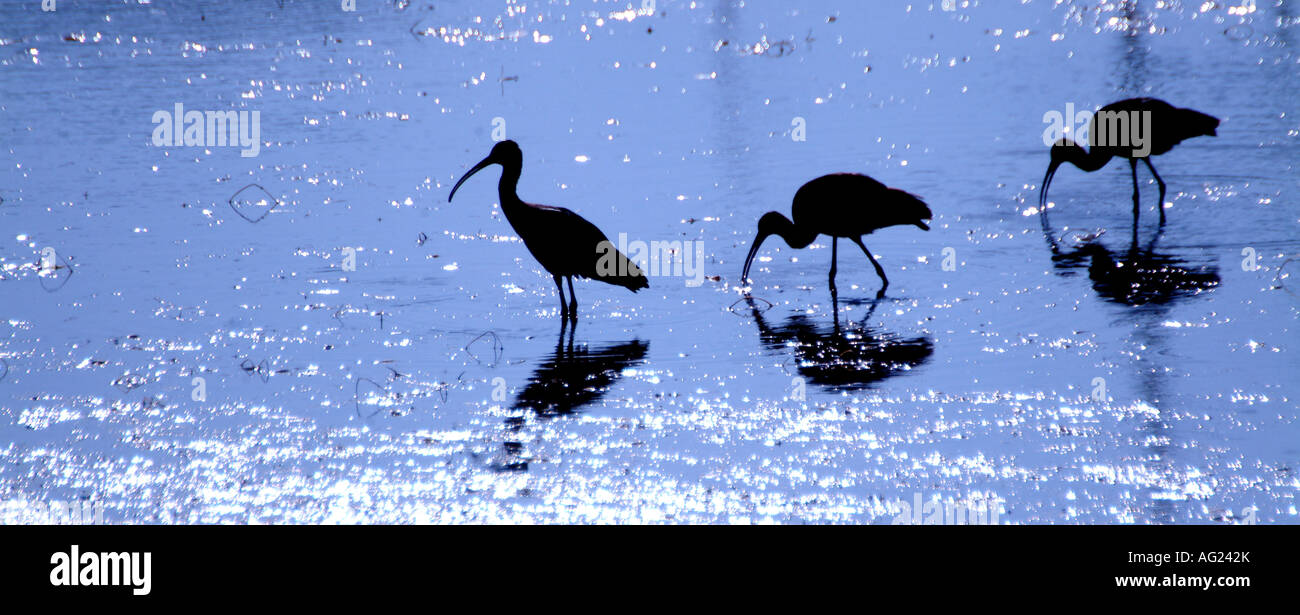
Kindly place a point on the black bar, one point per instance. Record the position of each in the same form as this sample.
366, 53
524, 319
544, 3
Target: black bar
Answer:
324, 564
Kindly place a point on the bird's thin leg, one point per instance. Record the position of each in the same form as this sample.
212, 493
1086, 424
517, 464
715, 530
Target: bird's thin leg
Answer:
573, 330
835, 249
564, 309
870, 312
1159, 182
835, 308
1151, 245
1133, 166
880, 271
573, 302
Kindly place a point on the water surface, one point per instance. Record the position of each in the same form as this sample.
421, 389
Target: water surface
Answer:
1065, 370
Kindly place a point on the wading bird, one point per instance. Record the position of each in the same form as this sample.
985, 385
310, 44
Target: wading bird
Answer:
565, 243
1160, 125
846, 205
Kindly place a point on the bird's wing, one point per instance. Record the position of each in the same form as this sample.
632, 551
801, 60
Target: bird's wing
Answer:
1154, 105
1170, 125
850, 204
823, 203
567, 244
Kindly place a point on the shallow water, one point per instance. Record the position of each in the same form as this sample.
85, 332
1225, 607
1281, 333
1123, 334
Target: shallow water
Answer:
1062, 371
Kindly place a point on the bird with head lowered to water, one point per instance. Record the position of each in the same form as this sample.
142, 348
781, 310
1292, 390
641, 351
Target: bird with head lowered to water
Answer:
1135, 129
847, 205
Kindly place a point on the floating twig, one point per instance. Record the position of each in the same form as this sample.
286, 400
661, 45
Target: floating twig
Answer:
274, 203
732, 308
261, 370
498, 348
54, 282
356, 396
1283, 274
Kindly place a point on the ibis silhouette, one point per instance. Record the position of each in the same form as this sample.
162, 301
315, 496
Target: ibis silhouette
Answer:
565, 244
1161, 123
846, 205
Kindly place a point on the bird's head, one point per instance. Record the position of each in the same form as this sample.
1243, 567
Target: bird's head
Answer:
1063, 151
506, 153
772, 223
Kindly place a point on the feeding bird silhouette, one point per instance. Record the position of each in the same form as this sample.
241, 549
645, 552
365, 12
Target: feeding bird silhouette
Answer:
564, 243
847, 205
1165, 126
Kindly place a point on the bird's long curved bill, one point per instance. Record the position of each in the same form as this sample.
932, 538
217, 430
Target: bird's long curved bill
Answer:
478, 167
1047, 181
749, 260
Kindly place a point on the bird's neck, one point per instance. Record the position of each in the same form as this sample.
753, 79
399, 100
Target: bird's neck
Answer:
507, 188
1089, 160
794, 236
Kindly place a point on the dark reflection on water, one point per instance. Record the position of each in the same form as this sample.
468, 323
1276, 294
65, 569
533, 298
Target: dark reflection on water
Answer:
1150, 282
575, 377
571, 378
1197, 420
843, 358
1137, 276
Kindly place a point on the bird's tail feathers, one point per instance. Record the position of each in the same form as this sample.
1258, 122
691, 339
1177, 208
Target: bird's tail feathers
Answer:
625, 273
911, 207
1200, 123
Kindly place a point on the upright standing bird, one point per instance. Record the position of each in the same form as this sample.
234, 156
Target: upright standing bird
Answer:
1165, 127
846, 205
565, 243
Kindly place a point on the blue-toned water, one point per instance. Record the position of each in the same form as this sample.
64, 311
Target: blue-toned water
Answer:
340, 344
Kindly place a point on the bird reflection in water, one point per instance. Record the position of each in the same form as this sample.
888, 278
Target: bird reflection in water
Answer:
1147, 284
575, 377
571, 378
843, 358
1137, 276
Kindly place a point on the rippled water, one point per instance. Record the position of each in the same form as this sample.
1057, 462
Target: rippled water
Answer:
185, 355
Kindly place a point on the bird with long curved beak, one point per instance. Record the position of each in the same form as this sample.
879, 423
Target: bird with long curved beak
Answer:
1159, 125
564, 243
847, 205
